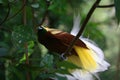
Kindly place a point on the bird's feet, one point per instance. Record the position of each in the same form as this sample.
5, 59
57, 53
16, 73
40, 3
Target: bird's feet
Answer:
63, 57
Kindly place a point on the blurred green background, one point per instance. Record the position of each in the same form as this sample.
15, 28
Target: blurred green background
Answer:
19, 20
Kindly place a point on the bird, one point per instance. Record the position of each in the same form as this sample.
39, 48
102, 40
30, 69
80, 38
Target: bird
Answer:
58, 41
85, 53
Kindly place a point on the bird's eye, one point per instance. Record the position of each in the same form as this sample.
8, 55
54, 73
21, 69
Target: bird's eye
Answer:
40, 28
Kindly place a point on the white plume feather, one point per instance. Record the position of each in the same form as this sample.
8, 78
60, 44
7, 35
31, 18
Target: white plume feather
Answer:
98, 56
102, 64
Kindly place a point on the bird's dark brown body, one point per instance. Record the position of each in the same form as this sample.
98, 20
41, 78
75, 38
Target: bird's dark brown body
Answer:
58, 42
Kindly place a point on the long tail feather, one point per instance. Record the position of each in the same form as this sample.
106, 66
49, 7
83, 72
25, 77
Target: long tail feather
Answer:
102, 64
86, 58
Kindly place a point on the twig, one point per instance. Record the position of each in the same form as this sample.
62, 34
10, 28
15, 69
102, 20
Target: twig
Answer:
106, 6
27, 60
17, 11
26, 45
83, 26
6, 17
26, 51
46, 12
33, 17
24, 13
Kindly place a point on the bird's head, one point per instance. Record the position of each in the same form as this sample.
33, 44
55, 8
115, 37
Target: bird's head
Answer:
41, 30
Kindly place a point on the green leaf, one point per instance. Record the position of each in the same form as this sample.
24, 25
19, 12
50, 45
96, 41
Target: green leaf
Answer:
30, 50
67, 65
32, 67
47, 61
59, 6
22, 34
63, 71
30, 44
16, 72
23, 58
64, 67
117, 9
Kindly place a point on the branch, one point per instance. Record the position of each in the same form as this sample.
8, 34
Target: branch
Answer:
33, 17
26, 51
27, 60
105, 6
6, 17
17, 11
46, 12
24, 13
83, 26
26, 45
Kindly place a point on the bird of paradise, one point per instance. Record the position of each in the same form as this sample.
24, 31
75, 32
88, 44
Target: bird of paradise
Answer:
83, 54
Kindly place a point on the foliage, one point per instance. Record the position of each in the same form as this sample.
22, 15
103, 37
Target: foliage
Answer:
15, 35
117, 7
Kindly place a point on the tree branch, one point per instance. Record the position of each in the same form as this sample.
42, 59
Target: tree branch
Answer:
83, 26
46, 12
6, 17
33, 17
26, 45
106, 6
27, 61
17, 11
24, 13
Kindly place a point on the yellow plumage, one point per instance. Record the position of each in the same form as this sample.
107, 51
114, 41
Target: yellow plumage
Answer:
84, 59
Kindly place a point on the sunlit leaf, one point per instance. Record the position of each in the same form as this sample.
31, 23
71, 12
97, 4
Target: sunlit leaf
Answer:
30, 44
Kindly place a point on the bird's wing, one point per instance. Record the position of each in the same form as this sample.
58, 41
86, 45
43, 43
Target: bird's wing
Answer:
65, 37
